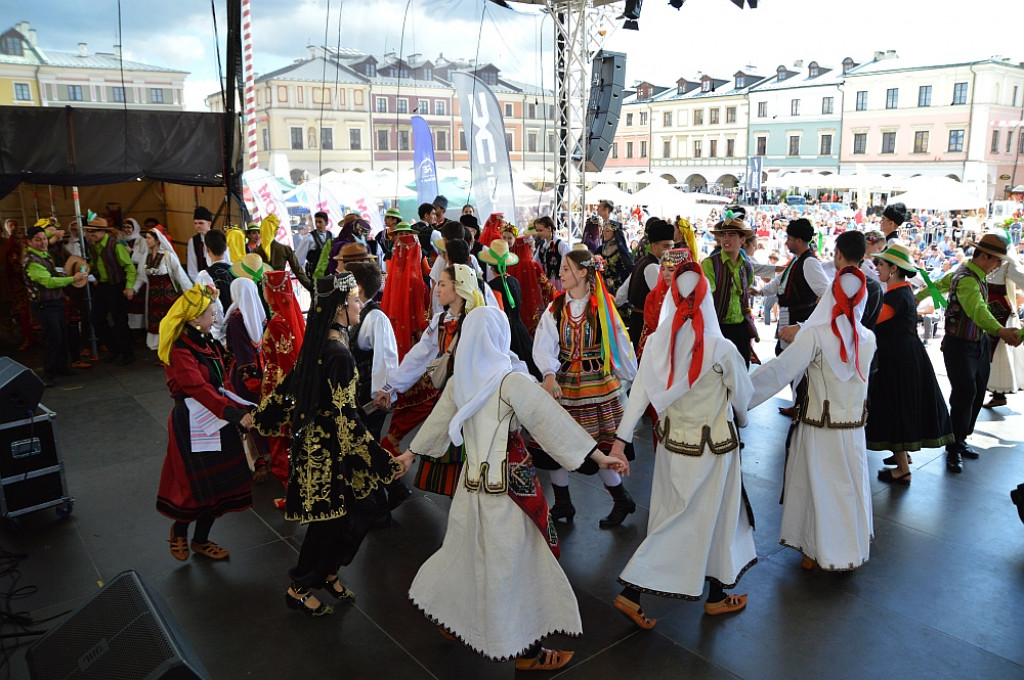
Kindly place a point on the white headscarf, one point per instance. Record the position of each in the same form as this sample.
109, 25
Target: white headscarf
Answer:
663, 351
245, 297
482, 359
851, 280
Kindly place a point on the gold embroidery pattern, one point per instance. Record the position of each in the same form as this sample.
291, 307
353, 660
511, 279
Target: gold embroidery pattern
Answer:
481, 482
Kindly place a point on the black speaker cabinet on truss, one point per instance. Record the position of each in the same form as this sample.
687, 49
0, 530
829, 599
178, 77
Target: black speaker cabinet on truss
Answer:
123, 631
608, 77
20, 391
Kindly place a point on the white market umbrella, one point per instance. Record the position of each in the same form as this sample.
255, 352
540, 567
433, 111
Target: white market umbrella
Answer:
608, 192
938, 193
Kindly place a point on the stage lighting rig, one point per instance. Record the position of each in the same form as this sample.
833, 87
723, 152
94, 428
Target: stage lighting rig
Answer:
631, 14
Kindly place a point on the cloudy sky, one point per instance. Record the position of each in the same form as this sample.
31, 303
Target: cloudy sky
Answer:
711, 36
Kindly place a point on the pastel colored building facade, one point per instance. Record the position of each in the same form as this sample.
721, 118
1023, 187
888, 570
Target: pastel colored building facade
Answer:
632, 142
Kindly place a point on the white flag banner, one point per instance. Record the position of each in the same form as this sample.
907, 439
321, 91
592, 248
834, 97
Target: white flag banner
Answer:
263, 196
356, 198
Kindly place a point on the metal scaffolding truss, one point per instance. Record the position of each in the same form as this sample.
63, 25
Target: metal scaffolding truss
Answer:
580, 29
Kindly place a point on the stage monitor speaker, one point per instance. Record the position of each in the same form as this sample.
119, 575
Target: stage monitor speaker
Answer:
608, 77
20, 391
123, 631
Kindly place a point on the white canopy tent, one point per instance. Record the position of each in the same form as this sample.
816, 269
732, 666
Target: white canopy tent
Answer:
939, 193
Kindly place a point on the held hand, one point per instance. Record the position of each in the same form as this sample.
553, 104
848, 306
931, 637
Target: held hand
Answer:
788, 333
618, 450
246, 421
406, 460
382, 401
551, 386
129, 293
612, 463
80, 276
1009, 336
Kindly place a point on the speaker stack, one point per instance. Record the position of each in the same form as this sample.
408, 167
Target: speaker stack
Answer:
608, 77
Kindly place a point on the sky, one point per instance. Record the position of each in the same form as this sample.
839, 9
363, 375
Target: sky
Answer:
705, 36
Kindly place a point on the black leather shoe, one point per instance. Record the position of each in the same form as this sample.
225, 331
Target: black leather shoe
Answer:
110, 358
398, 493
953, 461
967, 452
891, 460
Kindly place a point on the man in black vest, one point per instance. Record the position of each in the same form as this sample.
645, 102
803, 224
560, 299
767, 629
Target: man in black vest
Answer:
645, 275
548, 248
320, 238
803, 280
195, 256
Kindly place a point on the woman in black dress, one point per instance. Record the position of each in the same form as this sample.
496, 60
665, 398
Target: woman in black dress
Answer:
507, 288
906, 410
338, 471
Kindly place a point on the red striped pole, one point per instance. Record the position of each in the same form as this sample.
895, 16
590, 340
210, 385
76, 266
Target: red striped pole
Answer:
250, 86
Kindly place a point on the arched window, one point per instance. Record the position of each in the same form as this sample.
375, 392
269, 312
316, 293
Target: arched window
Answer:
311, 138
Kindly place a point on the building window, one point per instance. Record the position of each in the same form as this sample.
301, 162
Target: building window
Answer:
666, 149
762, 146
156, 95
698, 116
355, 139
1020, 144
827, 104
22, 93
741, 81
667, 119
296, 134
705, 86
794, 107
892, 96
1013, 102
615, 149
1009, 141
860, 143
509, 141
428, 73
730, 114
794, 145
383, 139
713, 148
643, 118
12, 46
813, 71
462, 140
862, 100
712, 116
531, 142
924, 96
888, 142
762, 109
327, 139
826, 145
75, 93
371, 70
629, 149
508, 110
552, 146
629, 120
995, 141
311, 138
117, 94
402, 106
921, 141
956, 141
698, 148
442, 140
266, 139
959, 93
439, 107
403, 140
531, 110
730, 148
382, 105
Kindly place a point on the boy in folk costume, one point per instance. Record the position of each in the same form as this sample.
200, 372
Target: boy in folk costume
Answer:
495, 584
115, 275
826, 504
700, 527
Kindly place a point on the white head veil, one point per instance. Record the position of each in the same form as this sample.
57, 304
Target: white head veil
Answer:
482, 359
245, 297
668, 354
851, 281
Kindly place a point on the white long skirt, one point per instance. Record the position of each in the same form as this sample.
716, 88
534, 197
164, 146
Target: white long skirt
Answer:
494, 583
1007, 375
698, 527
826, 506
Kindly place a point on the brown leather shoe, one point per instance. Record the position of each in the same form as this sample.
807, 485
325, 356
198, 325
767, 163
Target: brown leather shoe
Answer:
179, 546
209, 549
633, 612
731, 603
547, 660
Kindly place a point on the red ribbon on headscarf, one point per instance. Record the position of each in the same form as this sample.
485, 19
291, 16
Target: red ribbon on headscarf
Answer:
688, 309
844, 306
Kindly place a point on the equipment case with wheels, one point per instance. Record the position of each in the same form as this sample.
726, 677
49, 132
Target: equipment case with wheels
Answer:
31, 467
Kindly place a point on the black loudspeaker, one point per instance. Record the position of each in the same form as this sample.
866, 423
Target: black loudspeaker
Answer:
123, 631
20, 391
608, 77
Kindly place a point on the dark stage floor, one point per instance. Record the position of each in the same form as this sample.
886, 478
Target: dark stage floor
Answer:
940, 597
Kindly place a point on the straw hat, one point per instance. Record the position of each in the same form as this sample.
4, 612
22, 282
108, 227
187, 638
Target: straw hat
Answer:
251, 266
498, 255
72, 266
898, 254
97, 223
992, 243
353, 252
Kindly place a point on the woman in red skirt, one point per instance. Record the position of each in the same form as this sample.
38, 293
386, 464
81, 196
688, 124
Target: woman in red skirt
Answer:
205, 473
164, 279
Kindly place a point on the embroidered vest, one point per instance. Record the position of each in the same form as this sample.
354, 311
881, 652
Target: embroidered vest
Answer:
108, 254
579, 341
830, 404
796, 293
363, 357
958, 324
38, 293
725, 284
550, 258
199, 247
638, 288
319, 242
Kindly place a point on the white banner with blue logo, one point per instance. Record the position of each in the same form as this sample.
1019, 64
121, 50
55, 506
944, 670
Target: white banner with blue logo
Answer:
423, 159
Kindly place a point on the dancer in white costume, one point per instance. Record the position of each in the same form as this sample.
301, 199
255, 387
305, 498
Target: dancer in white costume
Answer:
826, 506
700, 528
495, 584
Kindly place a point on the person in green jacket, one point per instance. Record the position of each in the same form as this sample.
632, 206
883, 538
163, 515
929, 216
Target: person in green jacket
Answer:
114, 284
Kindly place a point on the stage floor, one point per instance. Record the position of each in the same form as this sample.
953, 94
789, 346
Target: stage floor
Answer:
940, 597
